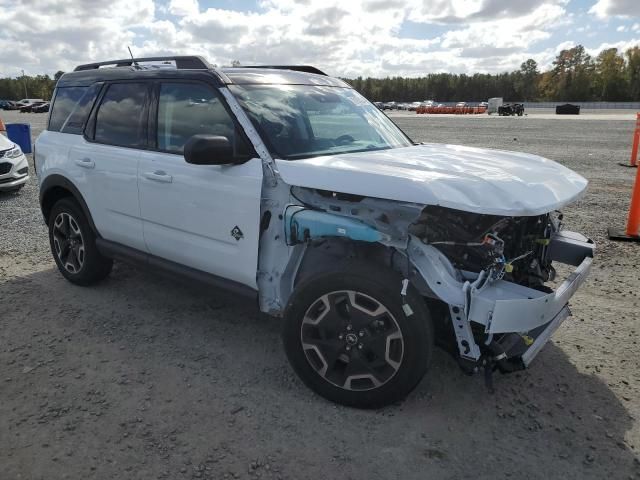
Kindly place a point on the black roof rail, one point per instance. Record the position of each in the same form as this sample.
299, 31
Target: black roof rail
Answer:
296, 68
191, 62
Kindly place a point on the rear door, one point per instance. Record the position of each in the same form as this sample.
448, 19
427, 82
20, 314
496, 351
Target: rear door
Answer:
203, 216
109, 156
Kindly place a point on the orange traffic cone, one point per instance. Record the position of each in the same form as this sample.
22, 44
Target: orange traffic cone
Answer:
636, 144
632, 232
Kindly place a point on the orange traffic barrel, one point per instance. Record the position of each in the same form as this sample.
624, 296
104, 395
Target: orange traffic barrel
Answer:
632, 231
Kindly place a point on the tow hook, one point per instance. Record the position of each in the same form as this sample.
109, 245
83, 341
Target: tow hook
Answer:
490, 366
499, 362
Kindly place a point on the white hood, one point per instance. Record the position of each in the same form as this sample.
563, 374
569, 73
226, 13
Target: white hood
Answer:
5, 143
495, 182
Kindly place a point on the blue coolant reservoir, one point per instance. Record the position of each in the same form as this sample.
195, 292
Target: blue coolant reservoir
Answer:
302, 224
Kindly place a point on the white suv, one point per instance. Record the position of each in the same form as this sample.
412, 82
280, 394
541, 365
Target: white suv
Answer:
286, 185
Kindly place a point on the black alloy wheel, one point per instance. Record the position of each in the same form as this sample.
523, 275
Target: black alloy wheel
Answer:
354, 339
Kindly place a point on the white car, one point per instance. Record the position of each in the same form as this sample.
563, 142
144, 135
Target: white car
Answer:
286, 185
29, 101
14, 168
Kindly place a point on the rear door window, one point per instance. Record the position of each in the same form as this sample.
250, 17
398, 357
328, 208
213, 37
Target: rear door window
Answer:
122, 116
71, 106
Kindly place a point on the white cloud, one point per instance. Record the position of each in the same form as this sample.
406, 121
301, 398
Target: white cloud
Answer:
618, 8
621, 28
359, 37
182, 8
50, 34
460, 11
622, 46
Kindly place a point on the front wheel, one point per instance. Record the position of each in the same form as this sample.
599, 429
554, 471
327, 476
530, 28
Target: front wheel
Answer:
349, 337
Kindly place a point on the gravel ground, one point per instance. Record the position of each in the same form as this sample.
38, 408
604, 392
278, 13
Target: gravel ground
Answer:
145, 377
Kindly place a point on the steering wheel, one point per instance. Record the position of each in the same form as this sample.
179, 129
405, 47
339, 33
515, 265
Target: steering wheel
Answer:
344, 139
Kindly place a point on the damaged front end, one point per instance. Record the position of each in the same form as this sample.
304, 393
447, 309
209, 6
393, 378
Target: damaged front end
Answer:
492, 273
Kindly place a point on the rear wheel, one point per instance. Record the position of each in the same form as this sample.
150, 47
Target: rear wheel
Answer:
349, 339
73, 245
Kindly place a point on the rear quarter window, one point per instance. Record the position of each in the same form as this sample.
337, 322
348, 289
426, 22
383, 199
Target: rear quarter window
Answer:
71, 107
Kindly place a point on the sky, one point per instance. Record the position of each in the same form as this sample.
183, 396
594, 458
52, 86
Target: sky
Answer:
346, 38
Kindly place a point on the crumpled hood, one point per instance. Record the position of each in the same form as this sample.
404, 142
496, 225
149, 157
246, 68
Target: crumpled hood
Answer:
495, 182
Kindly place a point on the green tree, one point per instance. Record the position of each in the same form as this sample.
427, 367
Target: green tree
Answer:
526, 80
610, 78
632, 73
572, 75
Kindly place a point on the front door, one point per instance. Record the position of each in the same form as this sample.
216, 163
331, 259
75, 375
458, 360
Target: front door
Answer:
202, 216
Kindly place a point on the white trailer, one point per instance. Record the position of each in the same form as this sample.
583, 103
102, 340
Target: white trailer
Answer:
494, 104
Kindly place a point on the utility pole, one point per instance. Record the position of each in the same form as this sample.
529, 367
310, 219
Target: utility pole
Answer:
24, 79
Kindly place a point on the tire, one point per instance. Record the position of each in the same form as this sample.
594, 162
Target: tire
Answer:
73, 245
348, 338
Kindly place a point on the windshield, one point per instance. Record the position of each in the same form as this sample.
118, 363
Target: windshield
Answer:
302, 121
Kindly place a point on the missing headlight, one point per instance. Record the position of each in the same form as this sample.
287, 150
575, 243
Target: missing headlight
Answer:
475, 242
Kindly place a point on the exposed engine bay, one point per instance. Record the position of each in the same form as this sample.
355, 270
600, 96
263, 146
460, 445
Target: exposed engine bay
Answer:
484, 274
512, 247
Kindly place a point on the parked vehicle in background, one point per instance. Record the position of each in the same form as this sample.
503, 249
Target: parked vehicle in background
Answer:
380, 105
483, 104
461, 104
511, 109
14, 169
302, 195
9, 105
568, 109
29, 108
390, 105
41, 108
414, 106
29, 101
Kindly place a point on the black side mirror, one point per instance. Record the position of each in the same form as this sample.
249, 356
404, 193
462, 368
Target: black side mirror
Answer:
204, 149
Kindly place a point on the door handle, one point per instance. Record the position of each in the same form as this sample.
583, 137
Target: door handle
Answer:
85, 163
159, 176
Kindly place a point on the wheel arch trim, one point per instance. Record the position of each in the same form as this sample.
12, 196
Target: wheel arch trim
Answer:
56, 181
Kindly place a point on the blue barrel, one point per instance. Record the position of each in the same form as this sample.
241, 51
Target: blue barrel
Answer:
20, 133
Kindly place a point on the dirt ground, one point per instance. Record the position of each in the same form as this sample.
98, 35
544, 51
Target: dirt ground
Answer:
148, 377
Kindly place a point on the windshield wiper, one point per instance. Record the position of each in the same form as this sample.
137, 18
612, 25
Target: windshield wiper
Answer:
369, 148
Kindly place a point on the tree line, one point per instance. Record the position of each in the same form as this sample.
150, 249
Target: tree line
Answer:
576, 76
38, 86
612, 76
